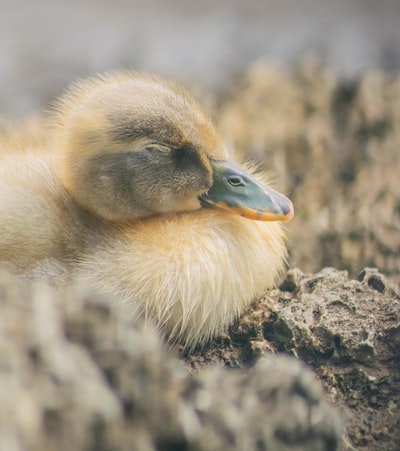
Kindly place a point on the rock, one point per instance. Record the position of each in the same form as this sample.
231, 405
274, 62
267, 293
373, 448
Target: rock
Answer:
75, 375
374, 279
347, 330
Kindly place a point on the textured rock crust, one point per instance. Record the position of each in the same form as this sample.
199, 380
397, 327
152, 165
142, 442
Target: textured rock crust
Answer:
347, 330
74, 375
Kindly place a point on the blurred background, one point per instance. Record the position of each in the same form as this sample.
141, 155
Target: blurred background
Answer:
308, 89
46, 43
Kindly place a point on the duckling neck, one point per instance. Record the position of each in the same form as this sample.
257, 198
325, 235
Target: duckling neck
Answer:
189, 274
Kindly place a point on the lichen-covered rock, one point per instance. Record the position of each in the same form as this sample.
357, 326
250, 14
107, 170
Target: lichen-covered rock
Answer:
334, 318
75, 375
347, 330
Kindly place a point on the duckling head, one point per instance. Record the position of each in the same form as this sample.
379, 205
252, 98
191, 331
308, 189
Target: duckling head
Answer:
130, 146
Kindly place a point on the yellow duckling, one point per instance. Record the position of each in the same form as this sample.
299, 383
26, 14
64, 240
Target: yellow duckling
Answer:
136, 195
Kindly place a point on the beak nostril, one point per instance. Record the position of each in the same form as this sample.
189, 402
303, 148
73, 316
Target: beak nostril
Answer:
287, 209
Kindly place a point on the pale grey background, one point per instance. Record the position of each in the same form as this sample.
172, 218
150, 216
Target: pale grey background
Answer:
44, 44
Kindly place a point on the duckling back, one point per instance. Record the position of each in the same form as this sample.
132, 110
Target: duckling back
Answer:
29, 212
42, 229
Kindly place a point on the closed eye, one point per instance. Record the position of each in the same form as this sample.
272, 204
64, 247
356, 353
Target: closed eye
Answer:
158, 148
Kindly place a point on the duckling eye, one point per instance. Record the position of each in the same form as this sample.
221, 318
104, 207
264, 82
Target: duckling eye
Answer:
236, 180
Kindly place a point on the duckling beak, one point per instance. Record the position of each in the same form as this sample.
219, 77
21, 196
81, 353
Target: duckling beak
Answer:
235, 190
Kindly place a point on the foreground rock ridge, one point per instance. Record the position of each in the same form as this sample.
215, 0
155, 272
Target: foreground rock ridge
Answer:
75, 375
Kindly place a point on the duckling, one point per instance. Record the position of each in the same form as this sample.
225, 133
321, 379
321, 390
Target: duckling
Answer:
136, 195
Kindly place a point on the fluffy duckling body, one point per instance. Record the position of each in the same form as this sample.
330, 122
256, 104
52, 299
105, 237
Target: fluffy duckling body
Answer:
190, 274
42, 230
135, 194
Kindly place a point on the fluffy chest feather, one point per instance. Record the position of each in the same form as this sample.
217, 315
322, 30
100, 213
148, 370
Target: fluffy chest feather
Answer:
189, 274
